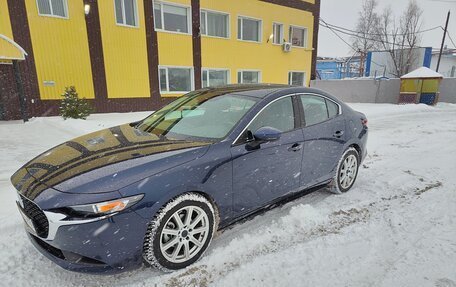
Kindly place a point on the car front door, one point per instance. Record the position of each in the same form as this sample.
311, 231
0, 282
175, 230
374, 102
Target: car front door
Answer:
324, 138
264, 172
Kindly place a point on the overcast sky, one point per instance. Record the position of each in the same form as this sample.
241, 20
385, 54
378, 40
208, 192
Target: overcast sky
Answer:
345, 13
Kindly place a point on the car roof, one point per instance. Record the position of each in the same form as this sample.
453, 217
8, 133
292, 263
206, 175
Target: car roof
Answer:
252, 90
260, 90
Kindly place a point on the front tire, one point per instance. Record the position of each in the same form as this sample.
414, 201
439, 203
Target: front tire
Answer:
180, 232
346, 172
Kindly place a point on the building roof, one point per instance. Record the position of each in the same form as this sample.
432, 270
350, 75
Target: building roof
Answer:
446, 51
422, 72
327, 59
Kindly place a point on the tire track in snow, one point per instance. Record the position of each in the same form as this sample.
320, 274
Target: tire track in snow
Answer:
320, 224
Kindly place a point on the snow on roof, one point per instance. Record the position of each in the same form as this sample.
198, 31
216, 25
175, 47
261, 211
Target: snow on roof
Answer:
422, 72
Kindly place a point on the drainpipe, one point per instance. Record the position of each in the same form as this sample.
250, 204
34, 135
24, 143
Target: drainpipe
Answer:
20, 91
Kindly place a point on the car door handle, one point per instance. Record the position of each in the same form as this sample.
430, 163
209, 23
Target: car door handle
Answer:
295, 147
338, 134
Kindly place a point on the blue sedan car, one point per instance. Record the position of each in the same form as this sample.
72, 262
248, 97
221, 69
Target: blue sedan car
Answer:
156, 191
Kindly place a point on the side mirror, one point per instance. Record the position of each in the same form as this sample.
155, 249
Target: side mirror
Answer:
267, 134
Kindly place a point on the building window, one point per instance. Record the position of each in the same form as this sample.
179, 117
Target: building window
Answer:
214, 24
296, 78
172, 18
126, 12
55, 8
176, 79
249, 77
214, 77
298, 36
277, 33
249, 29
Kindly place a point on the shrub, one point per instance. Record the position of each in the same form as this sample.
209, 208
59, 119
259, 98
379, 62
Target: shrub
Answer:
73, 107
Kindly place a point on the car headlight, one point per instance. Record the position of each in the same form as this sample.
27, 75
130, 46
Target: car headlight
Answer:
107, 207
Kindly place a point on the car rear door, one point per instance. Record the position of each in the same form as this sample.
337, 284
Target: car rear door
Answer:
264, 173
324, 138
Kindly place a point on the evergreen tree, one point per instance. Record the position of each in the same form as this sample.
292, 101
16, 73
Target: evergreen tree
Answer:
73, 107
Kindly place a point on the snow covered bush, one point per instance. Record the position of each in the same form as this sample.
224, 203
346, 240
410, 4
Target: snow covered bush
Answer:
72, 106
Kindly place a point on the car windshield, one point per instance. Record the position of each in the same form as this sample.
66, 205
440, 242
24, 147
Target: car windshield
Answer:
200, 115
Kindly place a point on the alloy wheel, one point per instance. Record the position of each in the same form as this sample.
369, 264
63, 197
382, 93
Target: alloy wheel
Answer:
184, 234
348, 171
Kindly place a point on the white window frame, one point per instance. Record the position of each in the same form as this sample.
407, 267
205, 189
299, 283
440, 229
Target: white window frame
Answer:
65, 7
203, 70
291, 35
123, 15
282, 33
304, 82
249, 70
168, 92
239, 37
189, 16
216, 12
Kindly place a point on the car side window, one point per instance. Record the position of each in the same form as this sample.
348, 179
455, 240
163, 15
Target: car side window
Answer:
315, 110
277, 115
333, 108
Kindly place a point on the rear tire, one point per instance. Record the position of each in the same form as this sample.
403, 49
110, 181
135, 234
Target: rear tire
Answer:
179, 233
346, 172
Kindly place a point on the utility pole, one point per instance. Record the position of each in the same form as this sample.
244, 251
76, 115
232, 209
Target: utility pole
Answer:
443, 41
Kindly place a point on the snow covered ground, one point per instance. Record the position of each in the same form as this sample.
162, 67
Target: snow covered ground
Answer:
396, 227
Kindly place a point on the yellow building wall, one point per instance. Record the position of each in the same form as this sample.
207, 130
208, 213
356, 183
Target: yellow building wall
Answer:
125, 54
269, 58
175, 49
5, 29
61, 51
5, 24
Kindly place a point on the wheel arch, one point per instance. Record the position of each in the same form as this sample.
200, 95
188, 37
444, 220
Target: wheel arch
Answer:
170, 197
212, 202
357, 147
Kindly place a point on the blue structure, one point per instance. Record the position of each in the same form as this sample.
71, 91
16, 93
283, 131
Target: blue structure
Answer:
378, 63
338, 68
330, 69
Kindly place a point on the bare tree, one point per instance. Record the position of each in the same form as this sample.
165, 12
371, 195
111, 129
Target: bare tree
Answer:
366, 38
401, 40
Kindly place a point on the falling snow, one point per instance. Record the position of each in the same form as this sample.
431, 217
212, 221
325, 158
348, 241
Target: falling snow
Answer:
396, 227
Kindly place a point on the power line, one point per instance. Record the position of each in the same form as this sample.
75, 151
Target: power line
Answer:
356, 50
449, 37
354, 33
381, 34
335, 33
359, 36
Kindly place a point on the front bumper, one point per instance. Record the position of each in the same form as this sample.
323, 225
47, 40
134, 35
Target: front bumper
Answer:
107, 246
70, 261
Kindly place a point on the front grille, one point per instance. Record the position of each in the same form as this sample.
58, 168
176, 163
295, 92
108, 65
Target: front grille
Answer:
39, 219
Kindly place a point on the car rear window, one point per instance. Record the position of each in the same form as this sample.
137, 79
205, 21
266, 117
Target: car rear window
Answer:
333, 108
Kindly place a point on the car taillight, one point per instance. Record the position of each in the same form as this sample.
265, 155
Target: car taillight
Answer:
364, 122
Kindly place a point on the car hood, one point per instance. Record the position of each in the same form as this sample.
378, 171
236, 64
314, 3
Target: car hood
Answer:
103, 161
